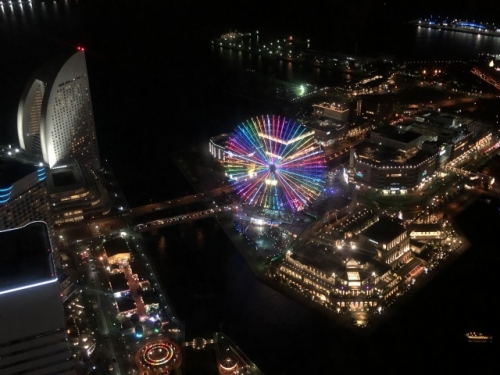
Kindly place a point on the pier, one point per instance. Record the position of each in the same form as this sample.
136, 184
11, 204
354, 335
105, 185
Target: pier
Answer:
458, 25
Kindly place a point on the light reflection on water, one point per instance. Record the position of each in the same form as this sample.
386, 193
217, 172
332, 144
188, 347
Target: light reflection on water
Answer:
212, 288
419, 43
280, 69
162, 247
453, 44
26, 16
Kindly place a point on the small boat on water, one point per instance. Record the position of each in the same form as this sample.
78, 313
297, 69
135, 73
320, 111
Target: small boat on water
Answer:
477, 337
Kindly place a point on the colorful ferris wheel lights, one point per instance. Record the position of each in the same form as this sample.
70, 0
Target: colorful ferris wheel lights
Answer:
275, 163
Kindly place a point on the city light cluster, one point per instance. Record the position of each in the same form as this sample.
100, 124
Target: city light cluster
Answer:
275, 163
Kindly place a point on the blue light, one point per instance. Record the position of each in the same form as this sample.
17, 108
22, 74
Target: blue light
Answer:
470, 24
41, 174
5, 194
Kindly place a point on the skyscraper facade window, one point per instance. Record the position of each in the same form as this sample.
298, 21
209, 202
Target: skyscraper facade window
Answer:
23, 191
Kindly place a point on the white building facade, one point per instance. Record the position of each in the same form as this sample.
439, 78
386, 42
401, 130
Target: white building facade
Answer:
55, 117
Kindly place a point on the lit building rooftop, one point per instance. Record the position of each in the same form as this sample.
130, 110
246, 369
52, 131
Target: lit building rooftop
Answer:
150, 298
118, 283
391, 132
64, 179
125, 304
384, 155
338, 263
384, 230
220, 138
30, 305
26, 256
116, 246
310, 256
338, 107
328, 125
425, 227
410, 266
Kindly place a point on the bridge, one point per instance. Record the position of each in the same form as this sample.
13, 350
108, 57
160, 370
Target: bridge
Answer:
458, 171
487, 78
482, 148
178, 219
182, 201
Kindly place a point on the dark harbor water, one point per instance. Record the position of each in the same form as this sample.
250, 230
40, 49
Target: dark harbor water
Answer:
213, 289
157, 87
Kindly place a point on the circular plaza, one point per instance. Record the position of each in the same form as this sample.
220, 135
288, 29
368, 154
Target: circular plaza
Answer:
158, 357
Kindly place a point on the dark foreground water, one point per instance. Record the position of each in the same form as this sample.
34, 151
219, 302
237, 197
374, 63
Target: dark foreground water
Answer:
157, 87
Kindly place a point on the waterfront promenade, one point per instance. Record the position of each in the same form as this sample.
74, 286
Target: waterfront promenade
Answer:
195, 163
85, 243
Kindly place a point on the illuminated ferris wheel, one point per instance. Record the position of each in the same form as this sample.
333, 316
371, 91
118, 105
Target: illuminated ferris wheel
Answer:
275, 163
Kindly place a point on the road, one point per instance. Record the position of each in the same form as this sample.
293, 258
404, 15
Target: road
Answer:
189, 199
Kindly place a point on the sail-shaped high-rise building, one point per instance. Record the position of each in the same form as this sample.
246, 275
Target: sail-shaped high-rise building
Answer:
55, 118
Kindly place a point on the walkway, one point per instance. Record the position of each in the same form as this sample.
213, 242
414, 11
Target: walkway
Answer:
189, 199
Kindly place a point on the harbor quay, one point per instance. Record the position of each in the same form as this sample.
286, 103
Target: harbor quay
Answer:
136, 327
358, 247
195, 165
263, 263
121, 293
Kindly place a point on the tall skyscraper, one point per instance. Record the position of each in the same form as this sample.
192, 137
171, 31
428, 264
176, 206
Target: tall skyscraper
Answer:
32, 330
55, 118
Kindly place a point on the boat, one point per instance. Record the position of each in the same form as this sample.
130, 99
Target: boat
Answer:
477, 337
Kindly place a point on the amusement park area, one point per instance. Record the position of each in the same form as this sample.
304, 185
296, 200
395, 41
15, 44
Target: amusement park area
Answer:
351, 232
